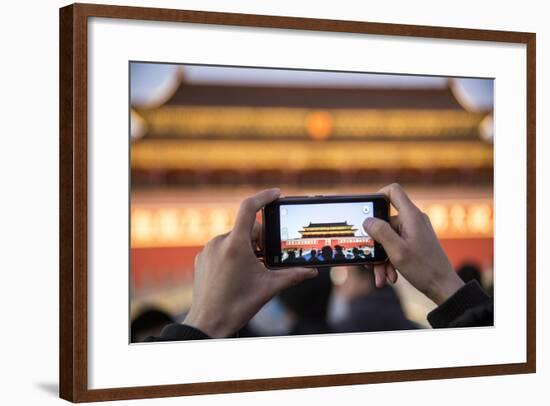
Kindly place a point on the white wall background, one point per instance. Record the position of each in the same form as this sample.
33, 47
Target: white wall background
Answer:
29, 194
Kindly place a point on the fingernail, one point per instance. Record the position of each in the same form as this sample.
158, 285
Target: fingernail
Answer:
276, 190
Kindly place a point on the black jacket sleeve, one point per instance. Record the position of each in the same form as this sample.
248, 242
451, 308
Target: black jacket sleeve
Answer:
178, 332
470, 306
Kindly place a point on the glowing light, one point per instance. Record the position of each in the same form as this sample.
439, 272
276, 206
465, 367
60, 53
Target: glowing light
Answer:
168, 224
457, 217
319, 125
220, 221
438, 216
192, 218
479, 218
142, 227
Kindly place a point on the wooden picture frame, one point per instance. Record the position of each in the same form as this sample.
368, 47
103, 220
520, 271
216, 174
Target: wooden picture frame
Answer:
73, 208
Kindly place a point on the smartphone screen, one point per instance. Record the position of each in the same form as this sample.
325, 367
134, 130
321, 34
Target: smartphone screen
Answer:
322, 231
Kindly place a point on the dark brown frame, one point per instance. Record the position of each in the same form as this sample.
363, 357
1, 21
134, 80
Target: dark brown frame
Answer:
73, 362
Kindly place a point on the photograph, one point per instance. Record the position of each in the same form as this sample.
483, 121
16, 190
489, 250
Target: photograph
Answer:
233, 187
205, 138
275, 203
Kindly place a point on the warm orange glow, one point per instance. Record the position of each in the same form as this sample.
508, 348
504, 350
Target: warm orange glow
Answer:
275, 122
457, 217
192, 224
480, 218
439, 216
258, 155
471, 219
179, 226
319, 125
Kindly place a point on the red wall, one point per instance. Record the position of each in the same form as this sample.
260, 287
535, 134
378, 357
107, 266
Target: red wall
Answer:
478, 250
161, 266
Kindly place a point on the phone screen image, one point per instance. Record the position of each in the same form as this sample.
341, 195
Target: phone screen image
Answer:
325, 233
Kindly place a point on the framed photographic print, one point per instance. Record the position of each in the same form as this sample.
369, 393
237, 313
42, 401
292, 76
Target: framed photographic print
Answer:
171, 120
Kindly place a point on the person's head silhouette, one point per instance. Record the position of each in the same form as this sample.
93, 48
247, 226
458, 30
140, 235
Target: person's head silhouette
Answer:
468, 272
308, 302
149, 322
326, 252
291, 256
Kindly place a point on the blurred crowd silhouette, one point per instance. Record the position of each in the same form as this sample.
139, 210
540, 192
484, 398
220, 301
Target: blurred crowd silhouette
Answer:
318, 306
326, 253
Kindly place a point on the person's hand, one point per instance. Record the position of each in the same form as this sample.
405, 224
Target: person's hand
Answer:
231, 284
413, 249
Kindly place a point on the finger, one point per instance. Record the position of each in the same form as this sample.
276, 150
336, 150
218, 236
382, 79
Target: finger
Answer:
398, 198
383, 233
285, 278
369, 267
246, 217
391, 273
427, 219
196, 262
395, 223
257, 234
380, 275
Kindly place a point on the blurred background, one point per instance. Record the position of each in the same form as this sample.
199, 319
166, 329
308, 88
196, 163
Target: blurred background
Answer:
205, 137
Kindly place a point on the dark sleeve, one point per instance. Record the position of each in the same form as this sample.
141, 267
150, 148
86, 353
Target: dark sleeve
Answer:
178, 332
470, 306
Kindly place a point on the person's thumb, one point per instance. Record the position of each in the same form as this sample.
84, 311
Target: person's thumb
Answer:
285, 278
383, 233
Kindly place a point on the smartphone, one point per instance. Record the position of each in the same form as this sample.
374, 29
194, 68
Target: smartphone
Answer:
319, 231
